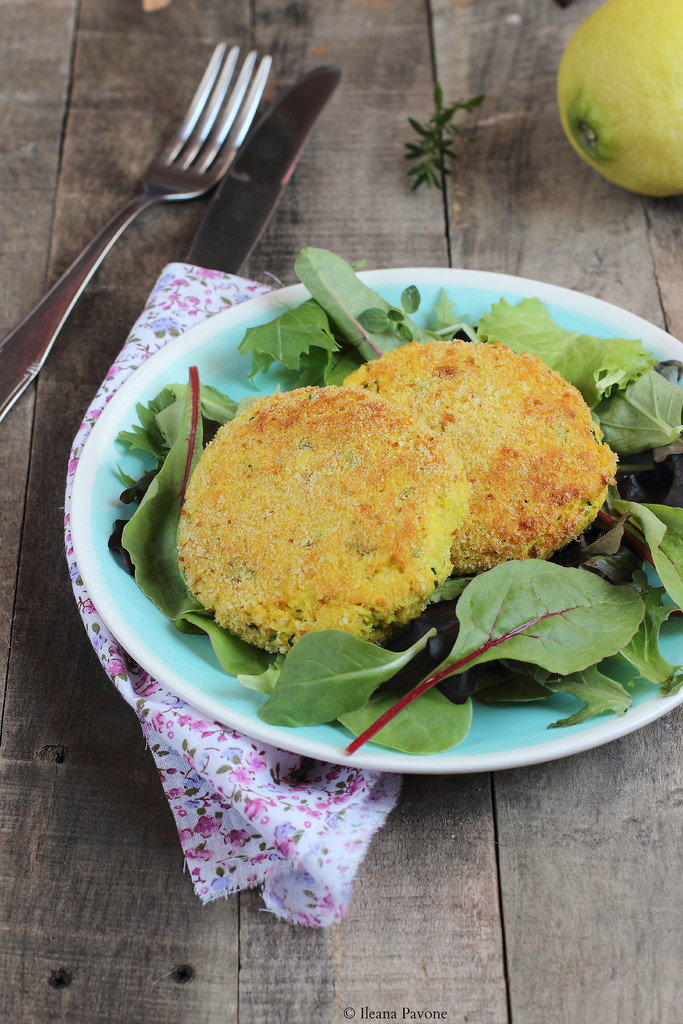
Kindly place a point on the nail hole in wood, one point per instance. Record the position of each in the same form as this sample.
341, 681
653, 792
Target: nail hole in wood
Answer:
54, 752
61, 978
183, 973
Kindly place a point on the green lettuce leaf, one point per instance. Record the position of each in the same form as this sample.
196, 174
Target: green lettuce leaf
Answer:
334, 284
596, 366
328, 673
294, 334
646, 414
161, 419
429, 726
643, 651
150, 536
662, 529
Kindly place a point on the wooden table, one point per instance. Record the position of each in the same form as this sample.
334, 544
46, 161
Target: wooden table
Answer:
546, 894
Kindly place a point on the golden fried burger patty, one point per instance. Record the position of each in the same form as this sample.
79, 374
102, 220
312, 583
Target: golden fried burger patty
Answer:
537, 469
320, 508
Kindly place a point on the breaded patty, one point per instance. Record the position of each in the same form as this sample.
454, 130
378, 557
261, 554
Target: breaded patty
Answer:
537, 469
321, 508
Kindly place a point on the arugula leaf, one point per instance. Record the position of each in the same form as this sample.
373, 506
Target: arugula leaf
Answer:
598, 691
593, 686
596, 366
290, 336
337, 288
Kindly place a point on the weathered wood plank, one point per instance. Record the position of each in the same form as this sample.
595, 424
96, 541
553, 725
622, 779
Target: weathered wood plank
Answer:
423, 927
422, 931
589, 855
34, 63
92, 872
91, 875
665, 228
591, 877
350, 192
522, 202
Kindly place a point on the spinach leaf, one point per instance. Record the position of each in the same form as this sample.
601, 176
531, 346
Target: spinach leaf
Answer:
337, 288
263, 682
150, 536
235, 655
429, 726
328, 673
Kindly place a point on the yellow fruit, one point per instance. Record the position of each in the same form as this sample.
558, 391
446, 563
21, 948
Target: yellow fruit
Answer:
620, 94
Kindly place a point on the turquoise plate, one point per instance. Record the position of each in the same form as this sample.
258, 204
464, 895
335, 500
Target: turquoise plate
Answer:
502, 736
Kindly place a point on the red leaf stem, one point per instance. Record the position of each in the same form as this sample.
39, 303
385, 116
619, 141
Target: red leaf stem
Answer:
630, 538
430, 681
194, 420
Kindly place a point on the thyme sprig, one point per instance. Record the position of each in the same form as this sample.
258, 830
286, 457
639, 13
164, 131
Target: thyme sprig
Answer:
434, 150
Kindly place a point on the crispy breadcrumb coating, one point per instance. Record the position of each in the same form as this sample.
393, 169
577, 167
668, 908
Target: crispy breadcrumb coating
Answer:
321, 508
537, 469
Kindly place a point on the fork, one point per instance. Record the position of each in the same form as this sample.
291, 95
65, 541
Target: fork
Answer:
193, 161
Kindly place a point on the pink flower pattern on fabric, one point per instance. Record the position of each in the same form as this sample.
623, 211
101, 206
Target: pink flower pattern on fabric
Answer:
248, 815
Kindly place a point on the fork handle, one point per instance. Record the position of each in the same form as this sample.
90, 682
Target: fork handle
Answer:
24, 350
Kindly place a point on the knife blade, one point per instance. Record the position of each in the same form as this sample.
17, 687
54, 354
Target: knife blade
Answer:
235, 218
244, 202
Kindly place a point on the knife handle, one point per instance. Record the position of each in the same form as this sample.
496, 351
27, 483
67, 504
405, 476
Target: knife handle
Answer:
25, 349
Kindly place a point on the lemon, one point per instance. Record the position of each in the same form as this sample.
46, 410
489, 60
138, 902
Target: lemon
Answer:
620, 94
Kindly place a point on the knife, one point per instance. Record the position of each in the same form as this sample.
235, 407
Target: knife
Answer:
239, 209
243, 203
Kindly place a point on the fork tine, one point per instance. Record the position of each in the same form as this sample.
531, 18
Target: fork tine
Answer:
197, 104
212, 107
238, 115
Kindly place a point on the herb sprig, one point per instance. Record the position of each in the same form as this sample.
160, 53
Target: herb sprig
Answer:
393, 319
434, 149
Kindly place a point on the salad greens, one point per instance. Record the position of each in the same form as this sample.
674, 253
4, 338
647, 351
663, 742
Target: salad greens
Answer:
586, 623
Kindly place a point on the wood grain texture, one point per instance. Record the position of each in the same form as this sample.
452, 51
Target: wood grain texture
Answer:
544, 894
422, 931
590, 855
33, 94
590, 851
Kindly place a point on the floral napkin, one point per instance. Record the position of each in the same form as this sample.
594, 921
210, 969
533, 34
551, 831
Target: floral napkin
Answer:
247, 814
